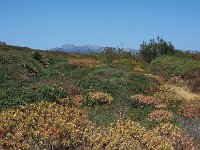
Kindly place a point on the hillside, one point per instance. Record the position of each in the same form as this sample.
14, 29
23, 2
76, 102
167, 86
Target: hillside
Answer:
107, 100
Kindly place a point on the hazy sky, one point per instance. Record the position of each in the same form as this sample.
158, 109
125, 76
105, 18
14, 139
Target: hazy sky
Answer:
45, 24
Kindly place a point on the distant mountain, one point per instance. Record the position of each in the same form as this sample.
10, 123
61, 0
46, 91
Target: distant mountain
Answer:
3, 43
84, 48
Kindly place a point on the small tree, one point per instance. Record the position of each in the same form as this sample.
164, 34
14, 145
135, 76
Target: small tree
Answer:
156, 48
111, 53
36, 55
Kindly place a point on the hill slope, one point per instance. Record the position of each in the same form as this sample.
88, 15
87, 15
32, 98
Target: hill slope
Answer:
108, 96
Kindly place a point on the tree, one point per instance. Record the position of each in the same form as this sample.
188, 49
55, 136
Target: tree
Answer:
156, 48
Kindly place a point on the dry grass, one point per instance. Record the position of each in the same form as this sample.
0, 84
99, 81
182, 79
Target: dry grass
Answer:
183, 92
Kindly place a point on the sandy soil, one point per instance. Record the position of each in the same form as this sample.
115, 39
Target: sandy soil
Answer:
183, 92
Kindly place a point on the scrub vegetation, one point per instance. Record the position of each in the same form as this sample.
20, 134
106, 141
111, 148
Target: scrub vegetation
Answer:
110, 100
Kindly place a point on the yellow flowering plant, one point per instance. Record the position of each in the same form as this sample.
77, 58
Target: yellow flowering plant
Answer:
100, 97
89, 63
160, 115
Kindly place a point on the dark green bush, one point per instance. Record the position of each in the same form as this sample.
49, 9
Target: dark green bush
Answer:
38, 56
156, 48
111, 54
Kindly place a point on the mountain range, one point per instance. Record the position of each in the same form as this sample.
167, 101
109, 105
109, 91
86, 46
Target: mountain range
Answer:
85, 48
2, 43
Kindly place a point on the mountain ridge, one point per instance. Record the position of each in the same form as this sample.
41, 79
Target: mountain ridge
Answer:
85, 48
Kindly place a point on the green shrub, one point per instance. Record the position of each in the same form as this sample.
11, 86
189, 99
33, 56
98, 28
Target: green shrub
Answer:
37, 56
173, 65
111, 54
108, 73
22, 96
154, 49
116, 82
102, 115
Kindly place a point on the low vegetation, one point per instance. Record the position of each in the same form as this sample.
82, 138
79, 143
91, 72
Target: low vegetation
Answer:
51, 126
110, 100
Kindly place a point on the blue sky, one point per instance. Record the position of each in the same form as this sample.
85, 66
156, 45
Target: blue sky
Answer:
45, 24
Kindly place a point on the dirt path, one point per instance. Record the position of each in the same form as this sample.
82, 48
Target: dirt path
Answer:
183, 92
189, 126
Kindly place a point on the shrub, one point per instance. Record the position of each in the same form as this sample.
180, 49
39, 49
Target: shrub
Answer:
193, 76
46, 93
127, 135
43, 126
93, 83
101, 114
116, 82
150, 100
111, 53
195, 85
176, 136
156, 79
38, 56
142, 83
166, 95
160, 115
131, 63
51, 93
52, 126
109, 73
190, 109
138, 69
84, 62
173, 65
154, 49
76, 100
100, 97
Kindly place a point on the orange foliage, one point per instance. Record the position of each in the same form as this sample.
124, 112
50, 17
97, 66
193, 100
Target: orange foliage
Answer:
101, 97
145, 99
190, 109
77, 100
138, 69
84, 62
51, 126
176, 136
160, 115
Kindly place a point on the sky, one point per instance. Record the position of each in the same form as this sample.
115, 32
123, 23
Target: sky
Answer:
44, 24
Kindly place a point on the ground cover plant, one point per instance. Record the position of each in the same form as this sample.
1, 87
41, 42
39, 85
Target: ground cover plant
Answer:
108, 100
